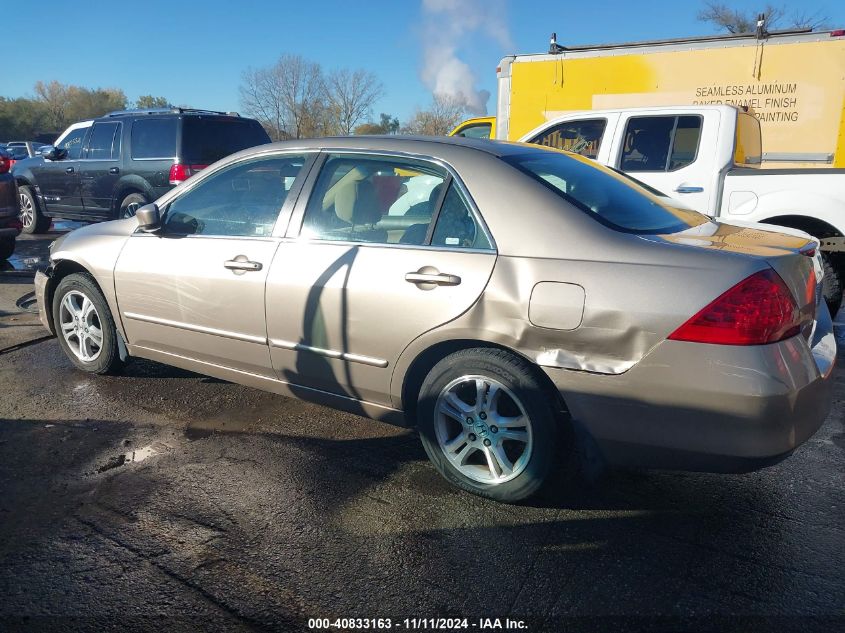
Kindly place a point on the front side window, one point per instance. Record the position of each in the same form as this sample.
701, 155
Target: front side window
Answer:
104, 142
612, 199
581, 137
242, 200
154, 138
660, 143
73, 143
478, 130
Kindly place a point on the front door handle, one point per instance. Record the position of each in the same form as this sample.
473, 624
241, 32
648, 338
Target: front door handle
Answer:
440, 279
241, 264
69, 170
114, 170
689, 189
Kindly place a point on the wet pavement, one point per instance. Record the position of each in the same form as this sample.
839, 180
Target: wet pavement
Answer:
163, 499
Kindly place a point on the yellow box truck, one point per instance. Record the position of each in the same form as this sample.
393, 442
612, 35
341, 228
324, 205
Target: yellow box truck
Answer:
793, 82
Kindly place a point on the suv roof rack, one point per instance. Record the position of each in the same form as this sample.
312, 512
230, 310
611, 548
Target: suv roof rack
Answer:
169, 111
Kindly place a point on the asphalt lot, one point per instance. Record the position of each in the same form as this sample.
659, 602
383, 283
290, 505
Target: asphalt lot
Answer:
164, 499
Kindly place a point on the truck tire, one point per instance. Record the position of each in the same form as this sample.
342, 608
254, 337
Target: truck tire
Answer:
32, 217
832, 284
7, 247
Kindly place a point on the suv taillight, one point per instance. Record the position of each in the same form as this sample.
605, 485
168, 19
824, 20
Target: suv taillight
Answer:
180, 173
756, 311
5, 164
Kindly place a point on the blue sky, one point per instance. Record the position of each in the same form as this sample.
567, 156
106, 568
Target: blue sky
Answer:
195, 52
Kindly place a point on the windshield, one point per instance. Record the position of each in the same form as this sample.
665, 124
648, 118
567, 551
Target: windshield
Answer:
615, 200
207, 140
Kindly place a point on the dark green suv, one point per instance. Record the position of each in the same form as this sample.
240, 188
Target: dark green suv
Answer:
106, 168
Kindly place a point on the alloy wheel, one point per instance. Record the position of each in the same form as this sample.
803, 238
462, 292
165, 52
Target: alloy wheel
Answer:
482, 429
80, 326
130, 210
27, 211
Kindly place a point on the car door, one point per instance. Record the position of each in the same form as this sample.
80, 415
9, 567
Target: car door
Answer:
58, 180
99, 168
195, 289
662, 150
353, 285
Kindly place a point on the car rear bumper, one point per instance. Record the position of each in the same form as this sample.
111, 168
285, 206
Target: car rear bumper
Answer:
41, 281
716, 408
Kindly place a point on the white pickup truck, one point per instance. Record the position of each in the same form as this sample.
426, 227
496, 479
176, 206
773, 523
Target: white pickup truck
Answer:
708, 158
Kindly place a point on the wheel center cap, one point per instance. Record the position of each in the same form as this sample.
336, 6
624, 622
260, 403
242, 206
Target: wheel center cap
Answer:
481, 428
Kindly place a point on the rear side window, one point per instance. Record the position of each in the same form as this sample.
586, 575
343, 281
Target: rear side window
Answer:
748, 149
581, 137
612, 199
104, 142
154, 138
206, 140
660, 143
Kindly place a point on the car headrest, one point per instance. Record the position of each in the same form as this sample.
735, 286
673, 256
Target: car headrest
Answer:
357, 203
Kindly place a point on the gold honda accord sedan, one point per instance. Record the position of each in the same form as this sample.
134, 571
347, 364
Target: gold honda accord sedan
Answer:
511, 302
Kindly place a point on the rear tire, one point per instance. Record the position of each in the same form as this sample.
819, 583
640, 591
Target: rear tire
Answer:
32, 217
832, 284
130, 204
488, 425
7, 247
84, 325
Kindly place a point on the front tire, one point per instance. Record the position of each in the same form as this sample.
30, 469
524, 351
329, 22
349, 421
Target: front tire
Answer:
130, 204
84, 325
487, 424
32, 218
7, 247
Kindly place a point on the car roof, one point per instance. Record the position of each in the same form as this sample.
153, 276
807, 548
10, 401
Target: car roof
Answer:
429, 145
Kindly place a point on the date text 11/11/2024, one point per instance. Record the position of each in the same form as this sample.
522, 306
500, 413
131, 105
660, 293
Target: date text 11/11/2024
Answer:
417, 624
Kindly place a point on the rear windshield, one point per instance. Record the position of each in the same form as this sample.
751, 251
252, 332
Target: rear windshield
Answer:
613, 199
207, 140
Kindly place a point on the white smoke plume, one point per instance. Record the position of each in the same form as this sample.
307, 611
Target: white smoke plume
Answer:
449, 26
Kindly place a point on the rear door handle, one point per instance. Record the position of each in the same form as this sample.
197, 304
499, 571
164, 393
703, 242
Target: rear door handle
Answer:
689, 189
114, 170
441, 279
241, 264
69, 170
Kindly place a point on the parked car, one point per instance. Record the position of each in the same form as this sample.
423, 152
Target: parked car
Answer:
10, 225
20, 152
538, 293
106, 168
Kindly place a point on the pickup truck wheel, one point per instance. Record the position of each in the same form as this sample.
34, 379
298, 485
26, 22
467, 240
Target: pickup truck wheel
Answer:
7, 247
832, 284
130, 205
487, 424
32, 218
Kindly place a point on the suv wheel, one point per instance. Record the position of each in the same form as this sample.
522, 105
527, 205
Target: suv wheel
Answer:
130, 205
85, 326
487, 424
33, 220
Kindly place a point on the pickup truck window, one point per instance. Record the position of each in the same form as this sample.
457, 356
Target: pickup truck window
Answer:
478, 130
612, 199
660, 143
582, 137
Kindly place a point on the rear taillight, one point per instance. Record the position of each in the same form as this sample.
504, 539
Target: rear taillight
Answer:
5, 164
756, 311
180, 173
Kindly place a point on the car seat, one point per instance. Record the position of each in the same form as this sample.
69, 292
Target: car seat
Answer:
357, 204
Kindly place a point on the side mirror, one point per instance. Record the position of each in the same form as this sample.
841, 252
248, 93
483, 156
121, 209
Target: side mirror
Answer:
149, 218
52, 153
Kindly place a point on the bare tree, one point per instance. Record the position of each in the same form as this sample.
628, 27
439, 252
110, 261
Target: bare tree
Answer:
734, 20
444, 113
287, 97
350, 95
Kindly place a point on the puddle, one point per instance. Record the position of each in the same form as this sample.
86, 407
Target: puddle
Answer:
134, 457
